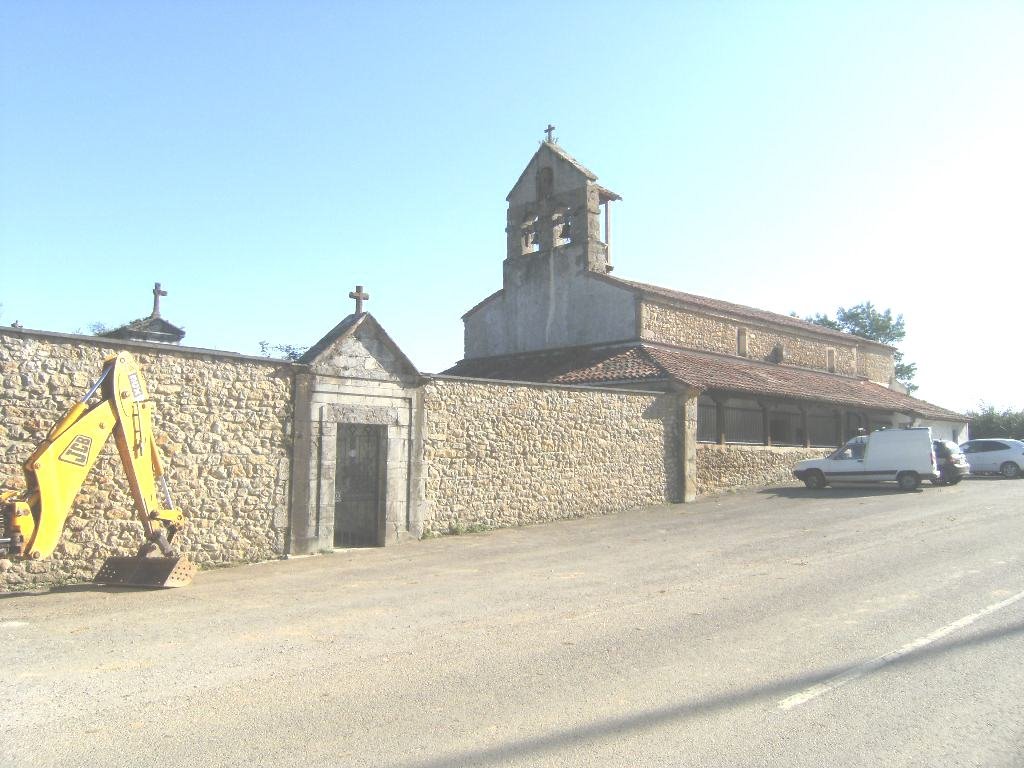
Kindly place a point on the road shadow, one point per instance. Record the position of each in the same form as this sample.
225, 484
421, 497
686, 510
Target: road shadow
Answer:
833, 492
581, 736
72, 588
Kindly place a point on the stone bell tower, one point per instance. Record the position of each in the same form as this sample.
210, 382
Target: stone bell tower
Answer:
555, 287
557, 209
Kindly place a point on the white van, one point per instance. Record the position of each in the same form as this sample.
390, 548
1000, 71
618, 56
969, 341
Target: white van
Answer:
903, 455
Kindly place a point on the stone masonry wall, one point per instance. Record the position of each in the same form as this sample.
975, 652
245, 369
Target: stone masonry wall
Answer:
500, 455
879, 367
671, 325
729, 467
222, 423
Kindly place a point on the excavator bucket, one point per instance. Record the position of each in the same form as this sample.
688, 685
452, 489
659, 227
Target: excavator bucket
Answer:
146, 572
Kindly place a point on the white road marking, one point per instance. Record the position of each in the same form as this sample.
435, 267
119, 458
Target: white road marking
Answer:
870, 666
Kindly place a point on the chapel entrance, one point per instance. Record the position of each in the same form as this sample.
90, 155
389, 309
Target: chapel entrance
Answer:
359, 485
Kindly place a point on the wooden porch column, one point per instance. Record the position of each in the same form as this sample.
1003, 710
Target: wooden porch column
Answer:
766, 426
805, 425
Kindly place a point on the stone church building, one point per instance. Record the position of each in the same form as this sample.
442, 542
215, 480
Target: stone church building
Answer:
763, 378
580, 393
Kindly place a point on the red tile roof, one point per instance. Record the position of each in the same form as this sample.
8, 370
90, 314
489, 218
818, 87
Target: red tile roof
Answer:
632, 365
566, 366
711, 371
655, 364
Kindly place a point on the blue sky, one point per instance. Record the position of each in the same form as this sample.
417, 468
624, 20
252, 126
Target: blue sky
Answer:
261, 159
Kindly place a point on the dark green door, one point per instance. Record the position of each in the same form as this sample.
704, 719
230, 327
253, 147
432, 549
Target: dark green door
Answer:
359, 483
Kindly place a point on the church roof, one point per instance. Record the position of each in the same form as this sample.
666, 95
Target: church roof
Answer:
348, 327
480, 303
342, 329
654, 364
739, 310
711, 371
152, 328
558, 151
573, 365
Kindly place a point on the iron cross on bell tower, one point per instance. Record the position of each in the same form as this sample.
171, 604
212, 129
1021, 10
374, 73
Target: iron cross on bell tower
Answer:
360, 296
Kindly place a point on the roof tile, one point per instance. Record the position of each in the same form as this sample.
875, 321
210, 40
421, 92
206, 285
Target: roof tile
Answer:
640, 363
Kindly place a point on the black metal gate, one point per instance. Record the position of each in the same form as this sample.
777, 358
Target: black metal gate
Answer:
359, 484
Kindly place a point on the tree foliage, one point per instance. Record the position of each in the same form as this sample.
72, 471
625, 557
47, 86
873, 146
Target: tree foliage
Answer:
866, 321
988, 422
281, 351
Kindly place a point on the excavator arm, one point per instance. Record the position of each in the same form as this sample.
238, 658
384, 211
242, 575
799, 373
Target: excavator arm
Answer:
55, 472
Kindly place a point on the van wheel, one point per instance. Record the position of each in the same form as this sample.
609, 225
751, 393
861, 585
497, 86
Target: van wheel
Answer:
908, 481
814, 480
1009, 470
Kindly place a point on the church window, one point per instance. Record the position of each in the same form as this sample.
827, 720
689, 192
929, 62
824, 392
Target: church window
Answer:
741, 342
744, 422
545, 183
855, 422
707, 420
822, 428
831, 360
785, 425
748, 422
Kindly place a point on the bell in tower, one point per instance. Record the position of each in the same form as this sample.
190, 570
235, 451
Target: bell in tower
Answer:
557, 204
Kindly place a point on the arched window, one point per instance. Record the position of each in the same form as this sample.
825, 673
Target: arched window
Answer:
545, 182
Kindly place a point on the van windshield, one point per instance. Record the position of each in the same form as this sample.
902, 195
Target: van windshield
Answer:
849, 451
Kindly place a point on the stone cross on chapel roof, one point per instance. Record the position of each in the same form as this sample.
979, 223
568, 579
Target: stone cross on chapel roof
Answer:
549, 131
360, 296
157, 293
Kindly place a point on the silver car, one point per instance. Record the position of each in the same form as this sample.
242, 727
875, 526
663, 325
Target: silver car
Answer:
995, 456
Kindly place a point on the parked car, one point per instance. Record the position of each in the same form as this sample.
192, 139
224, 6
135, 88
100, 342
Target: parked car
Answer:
953, 465
995, 456
903, 455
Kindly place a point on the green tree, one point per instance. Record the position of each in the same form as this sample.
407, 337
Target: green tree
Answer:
867, 322
988, 422
282, 351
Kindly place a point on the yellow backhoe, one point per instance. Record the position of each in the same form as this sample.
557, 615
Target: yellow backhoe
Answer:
34, 517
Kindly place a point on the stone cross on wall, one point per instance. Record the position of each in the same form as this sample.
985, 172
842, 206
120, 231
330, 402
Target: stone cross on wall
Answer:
157, 293
360, 297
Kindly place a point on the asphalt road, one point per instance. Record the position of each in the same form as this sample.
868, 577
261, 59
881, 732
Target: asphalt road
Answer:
782, 627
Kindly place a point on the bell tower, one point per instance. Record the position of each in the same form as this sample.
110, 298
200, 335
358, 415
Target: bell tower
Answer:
556, 210
556, 291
